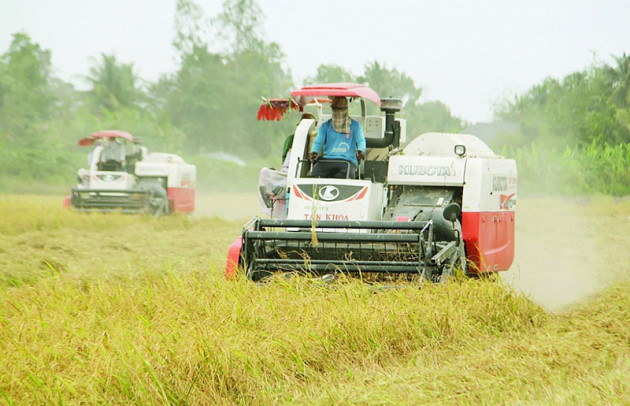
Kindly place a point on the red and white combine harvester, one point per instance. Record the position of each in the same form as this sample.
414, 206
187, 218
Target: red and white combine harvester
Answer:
441, 204
134, 181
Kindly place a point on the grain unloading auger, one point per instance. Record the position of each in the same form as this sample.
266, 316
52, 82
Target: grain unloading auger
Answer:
443, 203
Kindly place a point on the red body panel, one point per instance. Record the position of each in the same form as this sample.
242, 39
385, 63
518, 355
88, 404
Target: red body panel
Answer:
489, 239
231, 268
182, 199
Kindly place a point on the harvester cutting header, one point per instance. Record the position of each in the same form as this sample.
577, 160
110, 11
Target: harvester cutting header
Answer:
417, 211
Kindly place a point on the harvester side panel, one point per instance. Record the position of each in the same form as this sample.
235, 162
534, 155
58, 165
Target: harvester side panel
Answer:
181, 188
426, 170
488, 213
180, 179
182, 200
489, 238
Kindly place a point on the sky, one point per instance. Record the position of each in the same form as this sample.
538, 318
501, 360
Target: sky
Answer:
471, 55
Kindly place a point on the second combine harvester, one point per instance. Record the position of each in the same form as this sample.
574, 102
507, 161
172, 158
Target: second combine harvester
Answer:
442, 203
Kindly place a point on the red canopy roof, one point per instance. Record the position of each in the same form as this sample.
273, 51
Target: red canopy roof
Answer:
100, 135
113, 134
274, 109
307, 93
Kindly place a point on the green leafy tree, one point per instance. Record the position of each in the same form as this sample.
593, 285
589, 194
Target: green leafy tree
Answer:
571, 111
240, 26
190, 27
213, 98
114, 84
30, 100
618, 79
25, 94
194, 99
330, 74
435, 116
391, 83
118, 101
421, 117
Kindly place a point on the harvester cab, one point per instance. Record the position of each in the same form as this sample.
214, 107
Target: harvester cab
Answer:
123, 176
441, 204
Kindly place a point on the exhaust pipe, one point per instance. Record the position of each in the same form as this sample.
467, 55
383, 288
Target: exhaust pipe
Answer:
392, 128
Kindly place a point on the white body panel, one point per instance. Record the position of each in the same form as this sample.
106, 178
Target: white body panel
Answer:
300, 143
489, 180
490, 185
426, 170
111, 180
94, 157
155, 165
336, 199
170, 166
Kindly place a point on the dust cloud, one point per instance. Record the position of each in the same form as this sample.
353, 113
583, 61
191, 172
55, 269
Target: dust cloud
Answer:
556, 261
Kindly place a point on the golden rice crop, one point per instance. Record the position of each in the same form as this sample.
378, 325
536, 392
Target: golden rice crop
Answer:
131, 309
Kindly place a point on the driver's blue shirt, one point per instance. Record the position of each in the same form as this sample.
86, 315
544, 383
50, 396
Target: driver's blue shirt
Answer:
337, 145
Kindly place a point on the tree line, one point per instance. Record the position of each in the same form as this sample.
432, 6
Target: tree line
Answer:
583, 107
209, 102
574, 132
